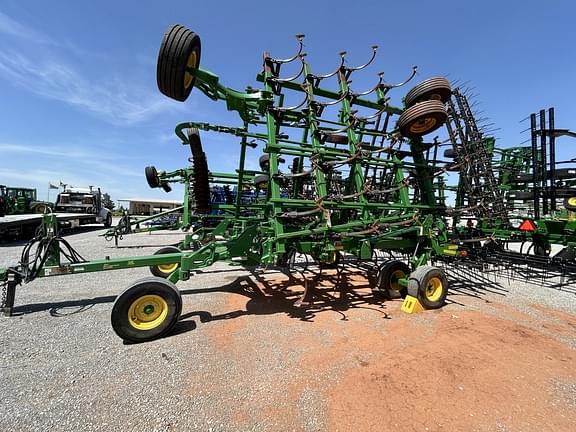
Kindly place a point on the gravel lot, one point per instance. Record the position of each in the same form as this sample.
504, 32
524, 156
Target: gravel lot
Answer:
499, 357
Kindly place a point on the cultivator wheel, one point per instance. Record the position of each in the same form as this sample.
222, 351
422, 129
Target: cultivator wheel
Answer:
201, 183
437, 88
165, 270
178, 61
261, 182
146, 310
389, 273
422, 119
429, 285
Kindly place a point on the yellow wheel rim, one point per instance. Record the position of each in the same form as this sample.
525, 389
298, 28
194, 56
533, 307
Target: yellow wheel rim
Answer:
572, 201
394, 285
168, 268
191, 64
40, 209
434, 289
423, 125
147, 312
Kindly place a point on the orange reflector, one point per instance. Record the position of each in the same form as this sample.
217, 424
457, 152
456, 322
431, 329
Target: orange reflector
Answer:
527, 225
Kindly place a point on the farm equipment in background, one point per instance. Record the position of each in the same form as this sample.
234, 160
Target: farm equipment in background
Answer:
16, 200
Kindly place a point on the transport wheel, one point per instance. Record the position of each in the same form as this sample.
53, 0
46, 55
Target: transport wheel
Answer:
387, 279
178, 60
152, 176
261, 181
422, 119
146, 310
436, 88
429, 285
570, 203
165, 270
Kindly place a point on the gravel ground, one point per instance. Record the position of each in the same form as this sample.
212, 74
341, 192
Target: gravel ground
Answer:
234, 362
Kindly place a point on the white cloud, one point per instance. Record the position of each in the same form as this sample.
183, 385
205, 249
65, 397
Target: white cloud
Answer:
14, 28
117, 102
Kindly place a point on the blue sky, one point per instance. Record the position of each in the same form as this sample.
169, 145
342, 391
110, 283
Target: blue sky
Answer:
79, 102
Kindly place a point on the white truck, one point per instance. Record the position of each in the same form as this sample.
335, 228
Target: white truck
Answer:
85, 201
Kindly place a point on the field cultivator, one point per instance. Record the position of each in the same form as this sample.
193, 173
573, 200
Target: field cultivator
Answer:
342, 173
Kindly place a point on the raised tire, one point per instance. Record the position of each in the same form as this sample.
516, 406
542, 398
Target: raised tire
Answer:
570, 203
387, 279
146, 310
152, 176
178, 61
165, 270
436, 88
422, 119
429, 285
261, 182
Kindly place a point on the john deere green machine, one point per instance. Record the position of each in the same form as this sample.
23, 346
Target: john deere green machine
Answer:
342, 172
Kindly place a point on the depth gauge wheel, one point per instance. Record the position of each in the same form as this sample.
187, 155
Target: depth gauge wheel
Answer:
387, 279
429, 285
422, 119
165, 270
178, 61
437, 88
147, 310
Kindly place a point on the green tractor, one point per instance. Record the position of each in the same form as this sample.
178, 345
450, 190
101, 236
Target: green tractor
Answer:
16, 200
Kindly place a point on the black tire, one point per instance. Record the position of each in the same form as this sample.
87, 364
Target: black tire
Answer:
387, 279
429, 285
449, 153
166, 187
520, 195
542, 249
108, 221
261, 182
436, 88
39, 209
336, 138
264, 162
165, 270
570, 203
178, 59
152, 176
200, 180
146, 310
422, 119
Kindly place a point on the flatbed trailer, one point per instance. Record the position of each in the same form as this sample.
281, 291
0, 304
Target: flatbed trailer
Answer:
26, 224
